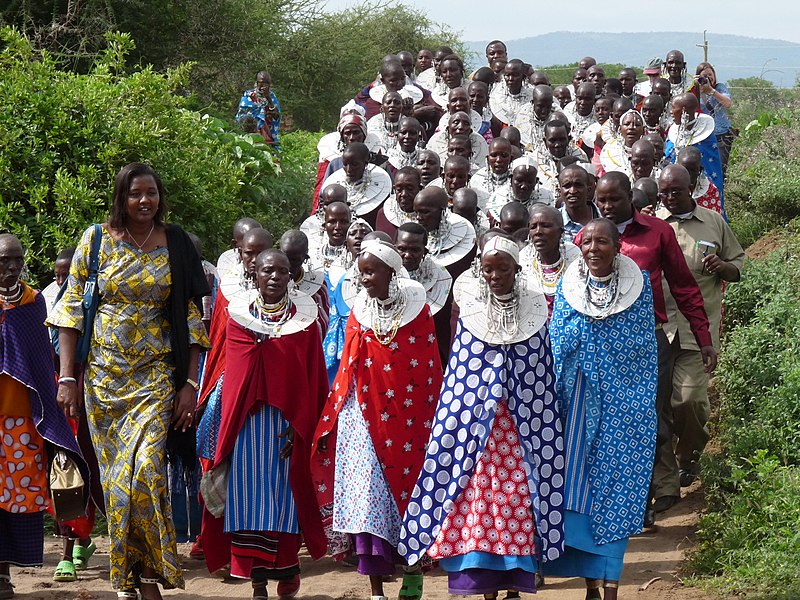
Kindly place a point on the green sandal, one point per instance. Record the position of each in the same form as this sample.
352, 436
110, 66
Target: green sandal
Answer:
412, 587
81, 555
65, 572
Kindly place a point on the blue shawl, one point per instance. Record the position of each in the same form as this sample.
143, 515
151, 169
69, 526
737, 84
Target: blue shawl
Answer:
618, 359
478, 377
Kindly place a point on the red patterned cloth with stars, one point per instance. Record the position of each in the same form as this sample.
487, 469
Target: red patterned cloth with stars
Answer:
398, 389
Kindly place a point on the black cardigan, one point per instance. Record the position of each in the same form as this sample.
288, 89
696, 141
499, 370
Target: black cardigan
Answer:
188, 283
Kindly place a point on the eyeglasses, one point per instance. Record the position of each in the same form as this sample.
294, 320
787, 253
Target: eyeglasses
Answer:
676, 193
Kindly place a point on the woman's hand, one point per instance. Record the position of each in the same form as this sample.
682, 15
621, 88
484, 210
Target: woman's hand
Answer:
707, 88
68, 398
286, 451
183, 407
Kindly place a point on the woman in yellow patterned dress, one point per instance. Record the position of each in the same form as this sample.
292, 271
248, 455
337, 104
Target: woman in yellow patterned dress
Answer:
140, 377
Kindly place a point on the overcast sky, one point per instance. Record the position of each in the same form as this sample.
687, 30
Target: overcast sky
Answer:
774, 19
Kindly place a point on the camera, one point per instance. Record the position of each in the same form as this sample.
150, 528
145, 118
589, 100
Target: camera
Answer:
702, 80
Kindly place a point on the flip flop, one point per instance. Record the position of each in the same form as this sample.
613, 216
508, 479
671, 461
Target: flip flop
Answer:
412, 587
82, 554
65, 572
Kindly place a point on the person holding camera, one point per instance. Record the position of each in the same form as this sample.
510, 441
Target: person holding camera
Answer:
715, 98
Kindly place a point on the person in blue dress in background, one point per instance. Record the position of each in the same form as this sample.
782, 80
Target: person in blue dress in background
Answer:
261, 105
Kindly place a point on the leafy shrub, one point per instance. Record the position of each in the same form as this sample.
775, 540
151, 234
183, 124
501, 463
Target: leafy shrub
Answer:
753, 543
749, 540
292, 193
64, 137
762, 188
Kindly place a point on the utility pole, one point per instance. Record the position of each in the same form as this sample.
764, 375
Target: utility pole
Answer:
704, 46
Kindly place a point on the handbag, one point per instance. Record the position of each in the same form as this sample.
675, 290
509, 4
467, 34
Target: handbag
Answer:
214, 488
90, 302
66, 488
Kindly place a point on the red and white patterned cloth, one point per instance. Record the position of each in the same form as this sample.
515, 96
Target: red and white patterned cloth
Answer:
493, 513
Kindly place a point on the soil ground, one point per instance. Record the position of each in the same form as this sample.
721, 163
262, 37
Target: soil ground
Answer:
650, 555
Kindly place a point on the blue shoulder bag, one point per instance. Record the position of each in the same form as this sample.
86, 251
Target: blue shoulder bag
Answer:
91, 300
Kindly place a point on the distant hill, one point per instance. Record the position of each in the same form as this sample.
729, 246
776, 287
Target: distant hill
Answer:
733, 56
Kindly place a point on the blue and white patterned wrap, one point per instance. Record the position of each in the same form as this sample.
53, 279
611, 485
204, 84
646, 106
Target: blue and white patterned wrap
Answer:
478, 377
618, 358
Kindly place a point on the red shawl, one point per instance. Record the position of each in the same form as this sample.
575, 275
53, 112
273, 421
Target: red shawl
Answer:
215, 357
289, 374
398, 388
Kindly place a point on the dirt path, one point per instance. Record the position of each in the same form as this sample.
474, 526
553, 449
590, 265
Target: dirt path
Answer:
650, 555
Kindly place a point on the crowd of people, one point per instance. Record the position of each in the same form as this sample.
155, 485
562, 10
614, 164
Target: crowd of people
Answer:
486, 350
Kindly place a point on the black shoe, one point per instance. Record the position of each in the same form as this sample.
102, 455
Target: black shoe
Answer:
649, 517
686, 477
664, 503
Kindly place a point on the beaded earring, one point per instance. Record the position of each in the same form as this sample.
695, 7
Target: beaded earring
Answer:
483, 288
394, 289
518, 280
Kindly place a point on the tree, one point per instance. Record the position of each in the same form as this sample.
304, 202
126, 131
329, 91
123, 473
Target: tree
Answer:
329, 59
65, 135
318, 60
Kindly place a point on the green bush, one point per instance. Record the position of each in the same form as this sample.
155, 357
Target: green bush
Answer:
63, 137
292, 194
762, 188
749, 537
752, 544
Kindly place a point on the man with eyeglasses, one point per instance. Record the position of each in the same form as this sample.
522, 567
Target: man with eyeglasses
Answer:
652, 244
714, 256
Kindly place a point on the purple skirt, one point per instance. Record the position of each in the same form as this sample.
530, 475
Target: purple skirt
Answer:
22, 538
487, 581
375, 555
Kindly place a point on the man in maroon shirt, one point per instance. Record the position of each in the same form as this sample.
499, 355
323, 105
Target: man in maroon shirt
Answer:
652, 244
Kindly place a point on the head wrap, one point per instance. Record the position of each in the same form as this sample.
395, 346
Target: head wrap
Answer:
352, 107
653, 66
359, 221
383, 251
501, 244
353, 118
632, 111
526, 160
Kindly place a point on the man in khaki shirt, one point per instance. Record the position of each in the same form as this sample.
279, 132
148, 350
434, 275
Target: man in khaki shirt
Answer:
714, 256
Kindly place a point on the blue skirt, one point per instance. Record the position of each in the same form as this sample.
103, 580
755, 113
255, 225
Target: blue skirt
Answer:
582, 557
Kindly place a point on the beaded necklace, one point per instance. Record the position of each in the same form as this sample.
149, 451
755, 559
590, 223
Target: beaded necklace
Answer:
329, 254
424, 272
494, 181
548, 275
273, 316
357, 192
502, 313
386, 315
11, 295
602, 292
436, 238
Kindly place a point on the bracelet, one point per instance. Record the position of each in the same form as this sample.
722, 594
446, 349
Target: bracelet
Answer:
62, 380
194, 384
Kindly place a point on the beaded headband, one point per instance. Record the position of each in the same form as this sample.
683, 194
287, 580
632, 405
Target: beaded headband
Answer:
384, 252
632, 111
501, 244
359, 221
350, 119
